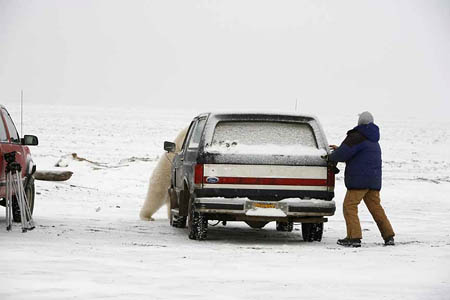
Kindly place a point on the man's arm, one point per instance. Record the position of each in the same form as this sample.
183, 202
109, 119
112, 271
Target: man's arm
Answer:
342, 153
347, 149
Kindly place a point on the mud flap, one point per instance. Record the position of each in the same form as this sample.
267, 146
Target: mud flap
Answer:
173, 198
183, 207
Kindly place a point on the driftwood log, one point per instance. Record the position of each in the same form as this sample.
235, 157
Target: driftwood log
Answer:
53, 175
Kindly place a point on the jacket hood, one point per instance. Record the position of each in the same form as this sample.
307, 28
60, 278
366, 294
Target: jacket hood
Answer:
370, 131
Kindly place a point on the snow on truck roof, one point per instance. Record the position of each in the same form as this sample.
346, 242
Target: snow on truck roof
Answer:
228, 114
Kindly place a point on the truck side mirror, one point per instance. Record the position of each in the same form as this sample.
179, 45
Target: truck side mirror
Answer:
170, 147
30, 140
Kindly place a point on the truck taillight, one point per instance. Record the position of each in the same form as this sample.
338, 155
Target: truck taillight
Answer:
198, 174
330, 178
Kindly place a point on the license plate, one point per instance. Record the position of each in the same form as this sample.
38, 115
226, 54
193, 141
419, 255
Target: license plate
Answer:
264, 205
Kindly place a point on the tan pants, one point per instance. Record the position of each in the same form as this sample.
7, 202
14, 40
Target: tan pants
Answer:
372, 201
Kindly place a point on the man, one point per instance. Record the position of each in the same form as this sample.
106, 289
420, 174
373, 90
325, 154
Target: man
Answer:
362, 155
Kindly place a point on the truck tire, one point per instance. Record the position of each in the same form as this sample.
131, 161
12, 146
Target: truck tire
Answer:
202, 227
285, 226
256, 224
197, 223
30, 193
312, 232
177, 221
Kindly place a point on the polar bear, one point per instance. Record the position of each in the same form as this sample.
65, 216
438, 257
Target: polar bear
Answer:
157, 193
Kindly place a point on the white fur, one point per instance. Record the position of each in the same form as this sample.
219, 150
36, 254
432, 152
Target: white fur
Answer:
157, 194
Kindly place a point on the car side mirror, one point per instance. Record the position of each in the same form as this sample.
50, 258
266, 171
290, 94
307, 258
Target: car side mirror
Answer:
170, 147
30, 140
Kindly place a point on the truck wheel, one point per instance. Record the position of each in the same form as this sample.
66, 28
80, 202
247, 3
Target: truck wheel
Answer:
256, 224
29, 192
312, 232
318, 232
197, 223
285, 226
202, 227
177, 221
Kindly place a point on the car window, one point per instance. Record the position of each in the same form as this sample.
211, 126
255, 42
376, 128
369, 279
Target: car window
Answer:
248, 137
197, 134
188, 134
3, 137
11, 128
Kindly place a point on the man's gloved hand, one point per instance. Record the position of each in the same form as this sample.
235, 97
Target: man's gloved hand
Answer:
332, 148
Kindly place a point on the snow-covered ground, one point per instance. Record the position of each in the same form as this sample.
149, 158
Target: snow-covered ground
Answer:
90, 244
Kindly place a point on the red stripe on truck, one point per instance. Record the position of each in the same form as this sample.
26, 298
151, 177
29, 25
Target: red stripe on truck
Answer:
270, 181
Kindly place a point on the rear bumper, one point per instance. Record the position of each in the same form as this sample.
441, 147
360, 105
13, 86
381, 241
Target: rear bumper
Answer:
277, 209
262, 194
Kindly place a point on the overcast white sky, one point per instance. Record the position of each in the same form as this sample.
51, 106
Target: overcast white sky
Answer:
332, 56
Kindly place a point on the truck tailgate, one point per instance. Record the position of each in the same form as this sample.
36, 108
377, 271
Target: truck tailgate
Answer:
265, 177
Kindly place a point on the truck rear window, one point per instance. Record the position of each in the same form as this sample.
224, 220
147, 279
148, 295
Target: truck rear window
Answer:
263, 137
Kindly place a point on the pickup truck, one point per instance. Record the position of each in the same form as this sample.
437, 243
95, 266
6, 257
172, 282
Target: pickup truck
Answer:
252, 167
11, 142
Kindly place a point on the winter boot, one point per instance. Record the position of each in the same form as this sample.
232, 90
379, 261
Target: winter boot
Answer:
389, 241
350, 242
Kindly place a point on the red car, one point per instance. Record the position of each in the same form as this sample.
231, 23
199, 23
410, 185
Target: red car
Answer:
10, 141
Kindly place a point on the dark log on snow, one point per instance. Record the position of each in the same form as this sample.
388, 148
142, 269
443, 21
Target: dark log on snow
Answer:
53, 175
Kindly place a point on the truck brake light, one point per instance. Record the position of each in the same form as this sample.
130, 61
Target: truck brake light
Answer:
198, 174
330, 177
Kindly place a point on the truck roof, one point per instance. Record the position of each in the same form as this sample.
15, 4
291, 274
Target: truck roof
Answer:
260, 116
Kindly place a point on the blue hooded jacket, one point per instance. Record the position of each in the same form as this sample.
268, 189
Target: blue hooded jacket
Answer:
362, 154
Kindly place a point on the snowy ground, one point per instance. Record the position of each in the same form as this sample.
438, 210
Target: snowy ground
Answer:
90, 244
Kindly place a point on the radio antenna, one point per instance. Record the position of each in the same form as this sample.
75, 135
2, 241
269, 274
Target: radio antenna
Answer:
21, 112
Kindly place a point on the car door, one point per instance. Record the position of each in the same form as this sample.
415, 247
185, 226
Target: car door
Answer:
191, 151
4, 141
178, 175
15, 143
